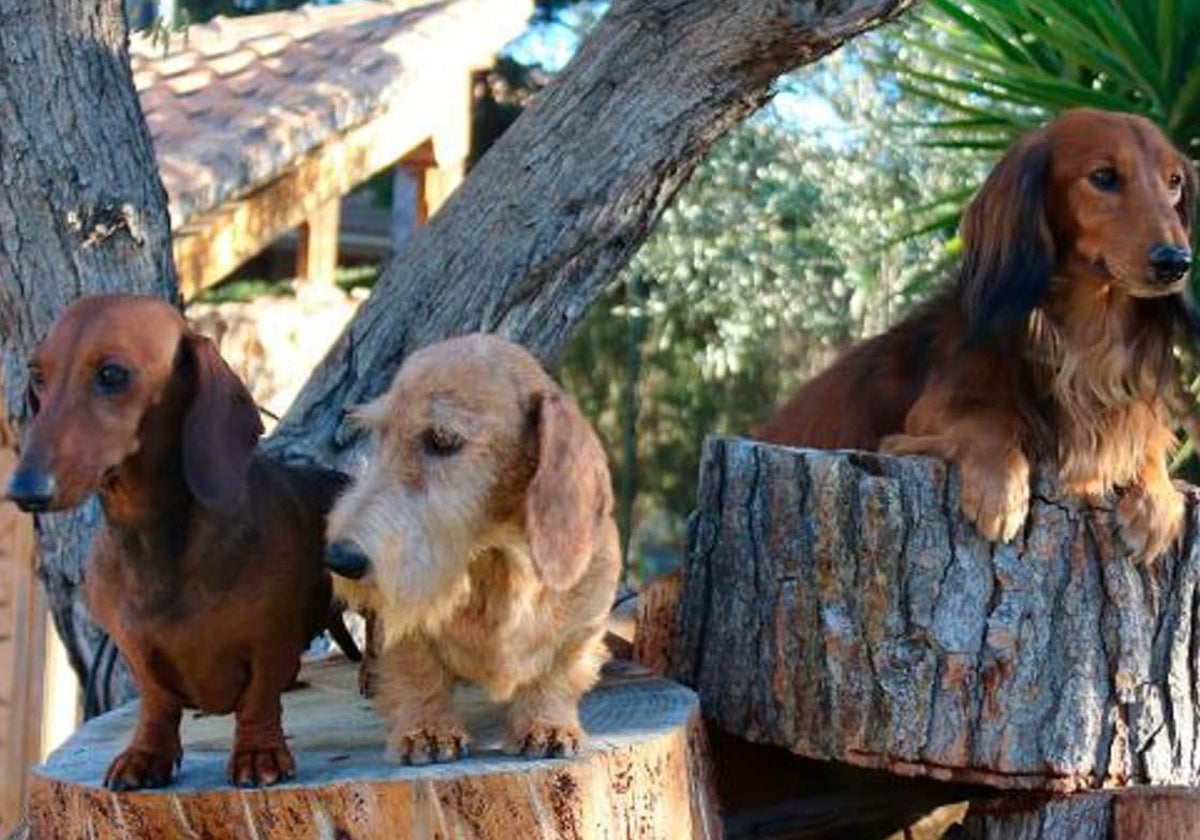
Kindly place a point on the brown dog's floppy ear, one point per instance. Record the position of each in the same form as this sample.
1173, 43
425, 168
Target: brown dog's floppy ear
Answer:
1187, 215
1009, 253
220, 429
568, 492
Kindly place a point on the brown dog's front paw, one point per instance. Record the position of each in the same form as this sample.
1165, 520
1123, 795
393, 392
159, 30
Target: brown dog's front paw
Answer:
542, 739
1150, 522
261, 766
995, 497
135, 769
429, 744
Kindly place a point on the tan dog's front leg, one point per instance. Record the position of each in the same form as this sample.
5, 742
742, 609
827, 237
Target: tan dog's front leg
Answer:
415, 694
260, 754
543, 720
154, 751
995, 475
1150, 514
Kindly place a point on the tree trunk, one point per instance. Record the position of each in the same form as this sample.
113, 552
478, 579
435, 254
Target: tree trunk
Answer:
559, 204
547, 218
1125, 814
838, 605
643, 774
81, 211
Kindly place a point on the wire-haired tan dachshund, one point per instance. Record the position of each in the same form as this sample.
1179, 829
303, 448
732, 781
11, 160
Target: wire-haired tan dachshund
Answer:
484, 528
208, 570
1054, 346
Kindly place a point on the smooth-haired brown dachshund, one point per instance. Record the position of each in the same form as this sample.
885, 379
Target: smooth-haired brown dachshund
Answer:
1054, 345
208, 569
483, 530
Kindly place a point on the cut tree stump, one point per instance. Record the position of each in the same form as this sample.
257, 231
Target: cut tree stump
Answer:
837, 604
643, 774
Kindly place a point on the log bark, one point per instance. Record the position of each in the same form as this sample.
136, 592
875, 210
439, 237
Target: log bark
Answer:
838, 605
82, 210
656, 627
559, 204
644, 774
1130, 814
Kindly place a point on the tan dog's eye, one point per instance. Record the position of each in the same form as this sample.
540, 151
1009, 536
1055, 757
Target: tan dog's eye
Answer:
441, 442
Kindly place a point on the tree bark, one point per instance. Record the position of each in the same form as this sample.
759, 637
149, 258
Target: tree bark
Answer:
559, 204
547, 218
838, 605
1126, 814
644, 774
82, 211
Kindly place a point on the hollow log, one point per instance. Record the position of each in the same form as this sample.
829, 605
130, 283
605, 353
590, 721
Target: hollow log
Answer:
837, 604
643, 774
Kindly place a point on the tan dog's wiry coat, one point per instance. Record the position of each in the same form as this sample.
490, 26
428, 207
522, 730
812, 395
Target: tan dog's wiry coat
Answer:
484, 525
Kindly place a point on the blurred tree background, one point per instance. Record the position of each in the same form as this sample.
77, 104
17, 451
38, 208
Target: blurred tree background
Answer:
825, 217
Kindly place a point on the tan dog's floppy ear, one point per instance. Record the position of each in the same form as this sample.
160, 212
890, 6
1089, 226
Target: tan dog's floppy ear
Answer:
220, 429
567, 493
1009, 252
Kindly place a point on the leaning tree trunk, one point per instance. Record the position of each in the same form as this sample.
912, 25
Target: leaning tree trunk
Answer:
838, 605
563, 199
81, 211
546, 219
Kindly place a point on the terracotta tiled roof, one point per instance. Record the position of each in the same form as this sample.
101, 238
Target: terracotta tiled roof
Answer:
235, 103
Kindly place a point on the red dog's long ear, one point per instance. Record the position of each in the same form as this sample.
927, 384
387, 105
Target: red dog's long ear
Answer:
1009, 253
569, 492
220, 429
1187, 202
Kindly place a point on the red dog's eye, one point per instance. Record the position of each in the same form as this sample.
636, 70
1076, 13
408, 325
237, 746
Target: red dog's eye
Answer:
1175, 181
1105, 178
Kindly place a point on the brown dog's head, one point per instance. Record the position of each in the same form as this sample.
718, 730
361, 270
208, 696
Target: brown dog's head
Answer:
1093, 195
475, 448
120, 375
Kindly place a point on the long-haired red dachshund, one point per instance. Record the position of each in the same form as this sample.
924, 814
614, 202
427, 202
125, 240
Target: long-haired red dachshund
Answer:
1054, 345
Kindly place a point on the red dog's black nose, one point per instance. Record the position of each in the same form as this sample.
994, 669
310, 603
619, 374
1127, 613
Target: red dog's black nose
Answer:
31, 490
347, 559
1169, 262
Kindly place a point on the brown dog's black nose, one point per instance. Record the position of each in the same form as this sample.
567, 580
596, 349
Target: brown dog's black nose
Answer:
347, 559
31, 490
1169, 262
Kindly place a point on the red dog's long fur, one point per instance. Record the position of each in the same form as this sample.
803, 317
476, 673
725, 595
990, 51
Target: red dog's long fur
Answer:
1054, 345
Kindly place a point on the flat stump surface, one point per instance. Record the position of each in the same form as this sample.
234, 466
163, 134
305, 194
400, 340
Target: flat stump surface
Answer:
643, 773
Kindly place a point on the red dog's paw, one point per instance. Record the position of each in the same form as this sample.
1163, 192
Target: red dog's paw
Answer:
1150, 521
260, 766
135, 769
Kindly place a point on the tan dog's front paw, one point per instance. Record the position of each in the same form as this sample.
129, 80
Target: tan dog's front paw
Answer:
260, 766
544, 739
135, 769
995, 497
429, 744
1150, 522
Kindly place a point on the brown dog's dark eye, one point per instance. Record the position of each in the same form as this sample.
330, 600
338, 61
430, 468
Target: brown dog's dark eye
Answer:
441, 442
37, 381
1105, 178
1175, 181
112, 379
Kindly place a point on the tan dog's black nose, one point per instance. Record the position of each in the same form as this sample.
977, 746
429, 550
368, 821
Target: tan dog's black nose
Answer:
1169, 262
32, 490
347, 559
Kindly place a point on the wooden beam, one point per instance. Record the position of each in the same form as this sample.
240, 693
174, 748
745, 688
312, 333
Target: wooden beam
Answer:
317, 252
210, 247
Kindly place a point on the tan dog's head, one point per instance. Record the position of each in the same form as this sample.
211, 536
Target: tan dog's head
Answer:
123, 374
475, 447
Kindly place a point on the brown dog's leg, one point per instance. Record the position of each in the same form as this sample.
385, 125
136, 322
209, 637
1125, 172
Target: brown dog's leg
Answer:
260, 756
543, 720
416, 696
1151, 512
153, 752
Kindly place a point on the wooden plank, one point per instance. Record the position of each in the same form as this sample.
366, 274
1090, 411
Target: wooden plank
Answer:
317, 250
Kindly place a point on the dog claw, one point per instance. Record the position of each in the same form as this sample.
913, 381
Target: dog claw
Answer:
249, 768
547, 740
135, 769
429, 745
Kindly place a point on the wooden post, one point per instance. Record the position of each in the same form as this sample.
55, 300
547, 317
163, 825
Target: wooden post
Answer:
644, 774
316, 252
22, 649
